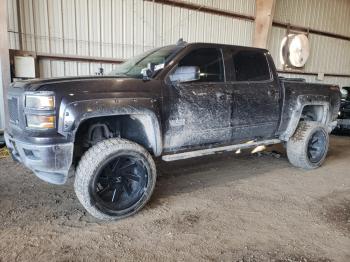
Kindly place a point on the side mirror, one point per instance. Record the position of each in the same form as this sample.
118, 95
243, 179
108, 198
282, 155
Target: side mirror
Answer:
185, 74
147, 72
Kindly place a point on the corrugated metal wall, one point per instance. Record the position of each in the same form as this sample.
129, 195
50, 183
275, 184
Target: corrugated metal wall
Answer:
327, 15
122, 28
118, 29
237, 6
328, 55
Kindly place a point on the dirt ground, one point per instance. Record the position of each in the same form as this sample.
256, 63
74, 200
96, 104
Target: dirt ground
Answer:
219, 208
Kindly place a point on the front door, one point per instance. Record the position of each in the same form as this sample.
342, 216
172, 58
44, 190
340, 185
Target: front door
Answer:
198, 112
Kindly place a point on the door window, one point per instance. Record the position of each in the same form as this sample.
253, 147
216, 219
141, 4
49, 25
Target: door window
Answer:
251, 66
209, 61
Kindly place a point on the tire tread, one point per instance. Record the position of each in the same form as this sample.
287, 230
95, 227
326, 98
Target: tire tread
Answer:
296, 146
90, 162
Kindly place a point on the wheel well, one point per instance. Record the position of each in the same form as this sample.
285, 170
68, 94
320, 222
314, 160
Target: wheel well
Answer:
313, 113
137, 128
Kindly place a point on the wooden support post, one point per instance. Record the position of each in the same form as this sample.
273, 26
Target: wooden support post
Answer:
4, 61
263, 22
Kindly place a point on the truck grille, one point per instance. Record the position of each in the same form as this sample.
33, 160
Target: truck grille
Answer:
13, 109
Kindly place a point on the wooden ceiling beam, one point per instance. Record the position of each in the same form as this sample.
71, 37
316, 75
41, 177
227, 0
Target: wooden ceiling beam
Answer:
264, 12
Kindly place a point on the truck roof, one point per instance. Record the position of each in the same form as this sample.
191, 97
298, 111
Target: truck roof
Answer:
226, 45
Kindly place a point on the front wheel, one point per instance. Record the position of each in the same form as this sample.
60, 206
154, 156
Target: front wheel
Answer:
115, 179
308, 147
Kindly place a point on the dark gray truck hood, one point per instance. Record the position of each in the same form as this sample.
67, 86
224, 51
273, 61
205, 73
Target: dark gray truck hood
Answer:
88, 84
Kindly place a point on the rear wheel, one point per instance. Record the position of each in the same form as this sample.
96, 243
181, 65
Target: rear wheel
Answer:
115, 179
308, 147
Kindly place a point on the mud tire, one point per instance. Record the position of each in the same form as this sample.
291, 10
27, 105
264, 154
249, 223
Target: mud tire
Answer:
92, 162
299, 146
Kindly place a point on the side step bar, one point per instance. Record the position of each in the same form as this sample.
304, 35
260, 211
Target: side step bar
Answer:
210, 151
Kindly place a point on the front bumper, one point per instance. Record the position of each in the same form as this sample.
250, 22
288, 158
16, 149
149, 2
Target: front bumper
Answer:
50, 163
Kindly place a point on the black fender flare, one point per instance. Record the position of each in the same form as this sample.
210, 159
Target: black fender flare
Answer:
145, 110
301, 102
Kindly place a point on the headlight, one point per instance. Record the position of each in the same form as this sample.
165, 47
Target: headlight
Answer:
41, 121
40, 102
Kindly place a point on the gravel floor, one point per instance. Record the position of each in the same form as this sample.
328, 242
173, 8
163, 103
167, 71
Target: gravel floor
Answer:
220, 208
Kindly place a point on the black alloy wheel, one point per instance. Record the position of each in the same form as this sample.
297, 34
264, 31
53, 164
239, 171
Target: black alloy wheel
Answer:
316, 147
308, 146
119, 184
115, 179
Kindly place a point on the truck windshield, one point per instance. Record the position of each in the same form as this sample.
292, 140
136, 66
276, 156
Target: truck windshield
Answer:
158, 57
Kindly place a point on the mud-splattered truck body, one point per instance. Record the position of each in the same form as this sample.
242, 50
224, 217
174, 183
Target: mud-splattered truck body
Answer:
175, 102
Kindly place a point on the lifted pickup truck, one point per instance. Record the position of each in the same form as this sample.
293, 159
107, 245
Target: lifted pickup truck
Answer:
174, 102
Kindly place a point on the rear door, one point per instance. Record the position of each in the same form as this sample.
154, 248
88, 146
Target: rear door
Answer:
255, 95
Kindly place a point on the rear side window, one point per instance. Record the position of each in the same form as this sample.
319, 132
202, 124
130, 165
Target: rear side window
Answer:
250, 66
209, 61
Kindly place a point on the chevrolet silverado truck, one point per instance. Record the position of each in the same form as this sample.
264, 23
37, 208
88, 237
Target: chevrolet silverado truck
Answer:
174, 102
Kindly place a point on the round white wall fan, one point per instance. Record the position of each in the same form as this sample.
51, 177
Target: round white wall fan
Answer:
295, 50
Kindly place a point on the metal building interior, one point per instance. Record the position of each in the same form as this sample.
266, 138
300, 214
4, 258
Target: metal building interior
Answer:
242, 206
